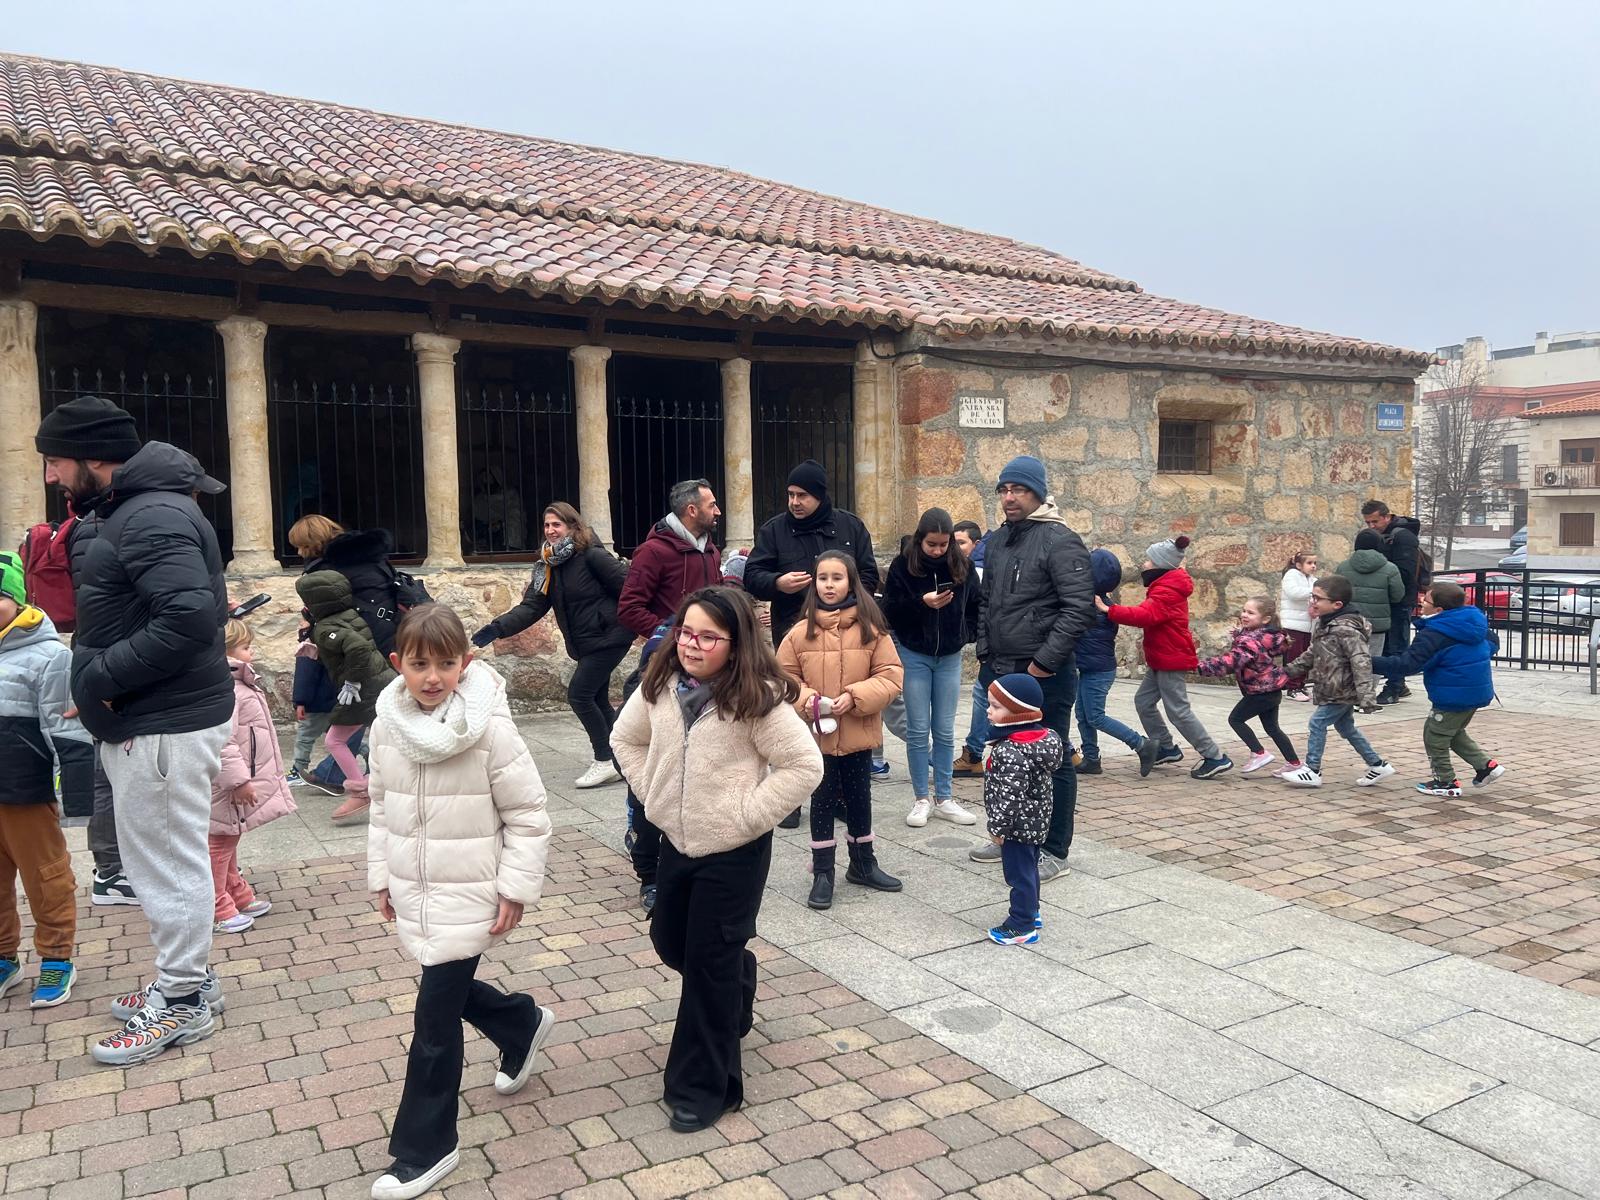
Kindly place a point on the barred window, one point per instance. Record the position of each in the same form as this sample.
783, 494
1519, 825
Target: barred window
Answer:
801, 411
1577, 529
1184, 447
666, 426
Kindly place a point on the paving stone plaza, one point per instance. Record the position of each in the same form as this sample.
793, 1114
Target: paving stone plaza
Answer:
1241, 991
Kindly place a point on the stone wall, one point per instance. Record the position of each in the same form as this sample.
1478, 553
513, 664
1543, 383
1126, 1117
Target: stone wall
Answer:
534, 663
1293, 461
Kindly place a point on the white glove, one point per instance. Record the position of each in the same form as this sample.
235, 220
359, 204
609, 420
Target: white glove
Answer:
349, 693
826, 725
824, 705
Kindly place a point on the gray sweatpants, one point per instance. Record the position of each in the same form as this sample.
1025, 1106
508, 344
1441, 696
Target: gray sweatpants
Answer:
103, 824
1166, 689
162, 784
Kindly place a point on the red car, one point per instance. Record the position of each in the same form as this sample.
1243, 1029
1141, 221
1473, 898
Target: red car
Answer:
1498, 590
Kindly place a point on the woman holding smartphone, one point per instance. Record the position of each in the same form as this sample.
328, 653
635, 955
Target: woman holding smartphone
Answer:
931, 602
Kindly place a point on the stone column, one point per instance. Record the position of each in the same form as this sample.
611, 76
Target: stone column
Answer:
594, 442
441, 472
21, 470
738, 454
250, 479
868, 450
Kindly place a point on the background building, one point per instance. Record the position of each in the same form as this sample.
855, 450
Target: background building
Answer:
438, 330
1564, 487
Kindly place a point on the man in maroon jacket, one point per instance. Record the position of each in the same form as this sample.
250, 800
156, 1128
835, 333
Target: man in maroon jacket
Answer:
676, 559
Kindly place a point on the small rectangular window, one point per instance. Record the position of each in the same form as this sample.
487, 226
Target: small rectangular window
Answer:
1184, 447
1577, 529
1508, 464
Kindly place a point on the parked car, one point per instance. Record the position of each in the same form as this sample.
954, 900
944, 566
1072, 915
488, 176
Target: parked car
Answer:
1519, 539
1565, 604
1517, 560
1500, 591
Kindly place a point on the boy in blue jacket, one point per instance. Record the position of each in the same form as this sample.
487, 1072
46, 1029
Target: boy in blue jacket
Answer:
1452, 648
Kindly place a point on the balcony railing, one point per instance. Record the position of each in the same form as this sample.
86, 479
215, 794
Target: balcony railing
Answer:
1567, 475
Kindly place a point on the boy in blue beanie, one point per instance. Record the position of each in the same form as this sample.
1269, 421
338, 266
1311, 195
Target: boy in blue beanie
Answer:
1452, 648
1017, 793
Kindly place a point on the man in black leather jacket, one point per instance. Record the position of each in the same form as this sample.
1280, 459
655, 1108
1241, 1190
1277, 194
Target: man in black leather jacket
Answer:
1037, 600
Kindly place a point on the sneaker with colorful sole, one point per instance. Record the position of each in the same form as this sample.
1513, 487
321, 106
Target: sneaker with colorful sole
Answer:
56, 977
124, 1007
1002, 936
153, 1029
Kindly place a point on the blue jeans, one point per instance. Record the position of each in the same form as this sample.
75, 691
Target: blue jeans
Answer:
932, 687
1059, 692
1343, 718
1396, 641
1093, 688
978, 727
1020, 862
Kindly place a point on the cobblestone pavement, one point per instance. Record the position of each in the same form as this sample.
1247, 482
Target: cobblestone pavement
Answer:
294, 1094
1508, 874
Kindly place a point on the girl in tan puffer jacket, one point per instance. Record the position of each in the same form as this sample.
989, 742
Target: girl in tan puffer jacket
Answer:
841, 654
455, 852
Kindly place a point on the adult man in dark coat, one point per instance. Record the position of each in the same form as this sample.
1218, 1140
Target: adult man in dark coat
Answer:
787, 546
1401, 547
151, 682
1037, 600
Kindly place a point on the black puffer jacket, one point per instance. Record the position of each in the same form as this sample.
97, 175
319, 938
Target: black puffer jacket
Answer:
151, 605
1038, 594
583, 592
781, 548
1402, 547
931, 631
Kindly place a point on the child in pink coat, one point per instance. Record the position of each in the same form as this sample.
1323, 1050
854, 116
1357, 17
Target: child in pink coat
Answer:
249, 791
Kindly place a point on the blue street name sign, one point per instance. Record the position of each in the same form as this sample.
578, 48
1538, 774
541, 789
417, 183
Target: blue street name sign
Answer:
1391, 417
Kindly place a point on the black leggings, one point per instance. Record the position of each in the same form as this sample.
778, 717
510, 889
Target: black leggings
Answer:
1264, 705
589, 696
846, 784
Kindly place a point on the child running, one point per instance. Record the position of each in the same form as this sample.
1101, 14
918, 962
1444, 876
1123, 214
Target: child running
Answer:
1169, 652
347, 651
1096, 664
711, 745
1338, 667
1252, 659
1017, 791
249, 790
455, 854
842, 656
1454, 649
34, 731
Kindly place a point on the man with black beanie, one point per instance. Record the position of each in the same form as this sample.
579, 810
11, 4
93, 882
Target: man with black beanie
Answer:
151, 683
779, 568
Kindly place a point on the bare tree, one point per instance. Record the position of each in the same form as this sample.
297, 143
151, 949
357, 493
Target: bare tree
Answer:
1460, 435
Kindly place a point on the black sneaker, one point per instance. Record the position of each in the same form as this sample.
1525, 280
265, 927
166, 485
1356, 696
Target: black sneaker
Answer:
1210, 768
1488, 773
647, 898
1387, 698
405, 1181
1403, 692
1440, 787
792, 821
1090, 766
1167, 755
1147, 751
112, 889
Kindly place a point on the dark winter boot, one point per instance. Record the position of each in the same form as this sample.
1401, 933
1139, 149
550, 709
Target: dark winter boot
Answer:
864, 869
821, 877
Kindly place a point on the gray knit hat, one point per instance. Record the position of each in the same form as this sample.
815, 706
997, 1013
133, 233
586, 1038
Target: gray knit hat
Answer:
1168, 554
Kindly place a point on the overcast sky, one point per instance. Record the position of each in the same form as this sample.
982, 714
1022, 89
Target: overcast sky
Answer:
1411, 172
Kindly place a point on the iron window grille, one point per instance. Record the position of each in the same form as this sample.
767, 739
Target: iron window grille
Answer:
1577, 529
1184, 447
801, 412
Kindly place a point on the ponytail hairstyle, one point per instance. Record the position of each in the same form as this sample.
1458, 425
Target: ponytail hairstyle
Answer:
868, 614
1299, 557
752, 684
1267, 606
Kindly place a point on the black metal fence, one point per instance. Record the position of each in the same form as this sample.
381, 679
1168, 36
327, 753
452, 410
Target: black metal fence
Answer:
518, 438
345, 427
1543, 617
801, 412
666, 426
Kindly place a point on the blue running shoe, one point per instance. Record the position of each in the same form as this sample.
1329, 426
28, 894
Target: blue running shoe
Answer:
1002, 936
56, 977
10, 972
880, 771
1168, 755
1038, 920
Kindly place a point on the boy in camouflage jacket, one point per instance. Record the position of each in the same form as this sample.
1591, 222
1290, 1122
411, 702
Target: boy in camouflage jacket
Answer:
1017, 792
1339, 668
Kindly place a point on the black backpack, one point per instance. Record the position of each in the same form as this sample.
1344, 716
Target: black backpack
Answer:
382, 604
1424, 559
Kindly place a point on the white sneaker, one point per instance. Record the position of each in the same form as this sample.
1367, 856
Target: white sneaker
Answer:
404, 1182
598, 775
1304, 777
951, 810
1257, 761
1382, 771
510, 1085
918, 816
257, 908
237, 923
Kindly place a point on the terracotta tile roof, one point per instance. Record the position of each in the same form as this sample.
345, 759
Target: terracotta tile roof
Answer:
103, 154
1575, 406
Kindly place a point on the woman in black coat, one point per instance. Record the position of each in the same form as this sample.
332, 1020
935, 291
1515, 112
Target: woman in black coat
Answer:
581, 582
931, 601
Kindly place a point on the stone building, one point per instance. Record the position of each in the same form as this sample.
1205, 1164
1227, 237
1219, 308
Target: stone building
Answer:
1564, 482
438, 330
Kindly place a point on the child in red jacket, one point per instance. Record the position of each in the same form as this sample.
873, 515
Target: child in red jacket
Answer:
1168, 653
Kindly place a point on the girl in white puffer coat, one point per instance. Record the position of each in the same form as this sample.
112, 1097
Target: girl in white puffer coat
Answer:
455, 852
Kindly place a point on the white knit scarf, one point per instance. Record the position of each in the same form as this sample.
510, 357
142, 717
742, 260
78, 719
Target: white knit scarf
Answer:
456, 725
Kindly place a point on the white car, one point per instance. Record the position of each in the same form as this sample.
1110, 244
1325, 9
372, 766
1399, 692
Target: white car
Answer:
1569, 603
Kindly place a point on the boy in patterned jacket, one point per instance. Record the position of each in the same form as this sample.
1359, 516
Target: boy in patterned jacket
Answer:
1017, 793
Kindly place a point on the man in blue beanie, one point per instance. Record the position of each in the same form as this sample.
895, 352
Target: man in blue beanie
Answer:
1037, 600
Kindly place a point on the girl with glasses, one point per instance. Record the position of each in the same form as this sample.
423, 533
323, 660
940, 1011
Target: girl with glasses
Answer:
714, 750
